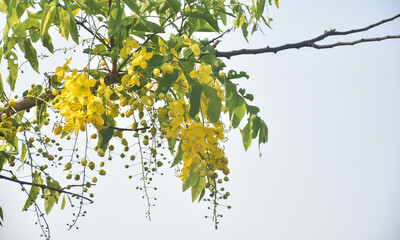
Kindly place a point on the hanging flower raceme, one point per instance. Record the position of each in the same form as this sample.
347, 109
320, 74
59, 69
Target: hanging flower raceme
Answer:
77, 103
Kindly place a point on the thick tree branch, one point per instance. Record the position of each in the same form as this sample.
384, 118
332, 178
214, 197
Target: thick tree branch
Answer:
312, 42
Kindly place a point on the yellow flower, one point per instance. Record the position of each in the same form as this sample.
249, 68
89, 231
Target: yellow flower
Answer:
60, 71
75, 12
193, 46
77, 120
195, 49
163, 47
178, 107
134, 80
203, 74
82, 86
104, 90
126, 49
96, 120
166, 67
95, 106
220, 92
181, 83
184, 173
140, 58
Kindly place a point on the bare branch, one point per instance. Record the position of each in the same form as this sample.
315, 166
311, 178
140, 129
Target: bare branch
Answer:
312, 42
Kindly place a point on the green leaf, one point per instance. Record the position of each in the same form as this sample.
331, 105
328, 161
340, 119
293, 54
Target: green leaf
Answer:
178, 156
204, 14
54, 184
51, 196
277, 3
249, 97
40, 110
1, 216
3, 159
73, 29
48, 201
194, 99
35, 190
116, 13
231, 95
94, 6
47, 43
171, 144
13, 69
133, 6
238, 22
210, 57
48, 15
34, 34
175, 5
63, 203
24, 151
65, 22
260, 7
246, 135
198, 187
255, 125
31, 55
190, 180
106, 134
263, 135
155, 62
1, 85
166, 81
238, 112
202, 194
97, 74
232, 74
214, 107
30, 23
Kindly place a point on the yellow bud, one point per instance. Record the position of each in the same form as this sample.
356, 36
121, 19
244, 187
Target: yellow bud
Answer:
102, 172
58, 130
221, 75
67, 166
3, 116
156, 72
149, 85
84, 162
12, 103
55, 92
101, 152
91, 165
161, 96
94, 179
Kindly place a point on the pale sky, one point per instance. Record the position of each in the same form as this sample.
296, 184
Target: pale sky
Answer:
330, 169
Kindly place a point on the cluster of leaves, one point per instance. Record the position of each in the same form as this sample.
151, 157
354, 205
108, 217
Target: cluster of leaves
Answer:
169, 91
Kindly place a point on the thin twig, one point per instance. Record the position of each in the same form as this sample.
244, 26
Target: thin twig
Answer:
60, 190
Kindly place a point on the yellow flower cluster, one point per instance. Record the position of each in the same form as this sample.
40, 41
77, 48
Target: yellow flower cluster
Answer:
76, 102
200, 144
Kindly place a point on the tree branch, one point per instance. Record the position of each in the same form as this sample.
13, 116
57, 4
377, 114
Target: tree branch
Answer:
312, 42
61, 190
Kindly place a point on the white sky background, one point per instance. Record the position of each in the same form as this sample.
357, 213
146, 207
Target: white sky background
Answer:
329, 171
